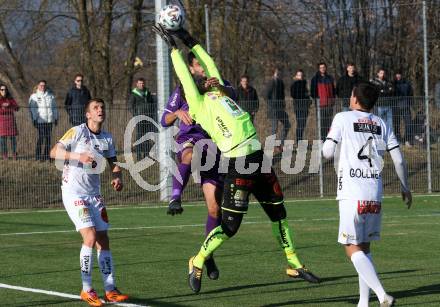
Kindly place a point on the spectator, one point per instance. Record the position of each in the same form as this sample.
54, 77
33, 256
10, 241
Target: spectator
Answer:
437, 94
345, 85
247, 97
276, 106
402, 110
141, 103
301, 102
322, 87
386, 90
8, 127
76, 99
44, 115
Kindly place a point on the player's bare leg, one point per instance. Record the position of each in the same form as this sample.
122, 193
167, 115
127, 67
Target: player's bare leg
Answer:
361, 258
105, 262
213, 196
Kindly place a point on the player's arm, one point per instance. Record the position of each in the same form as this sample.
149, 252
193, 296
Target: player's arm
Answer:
173, 111
333, 138
329, 148
192, 94
202, 56
208, 64
402, 173
59, 152
193, 97
116, 181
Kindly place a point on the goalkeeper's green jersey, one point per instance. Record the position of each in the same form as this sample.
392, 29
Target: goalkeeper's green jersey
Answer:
229, 126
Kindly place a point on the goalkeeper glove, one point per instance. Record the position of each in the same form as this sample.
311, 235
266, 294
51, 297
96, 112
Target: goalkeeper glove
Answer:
165, 35
185, 37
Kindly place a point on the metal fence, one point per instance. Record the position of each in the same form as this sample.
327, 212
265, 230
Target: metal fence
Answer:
32, 182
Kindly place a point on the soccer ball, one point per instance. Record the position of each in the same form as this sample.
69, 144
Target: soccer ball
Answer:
172, 17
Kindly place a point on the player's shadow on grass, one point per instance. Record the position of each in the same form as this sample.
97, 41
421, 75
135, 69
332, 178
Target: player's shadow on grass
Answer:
419, 291
42, 303
151, 302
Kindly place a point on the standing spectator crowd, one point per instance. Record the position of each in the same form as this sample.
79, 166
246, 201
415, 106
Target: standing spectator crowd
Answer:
395, 106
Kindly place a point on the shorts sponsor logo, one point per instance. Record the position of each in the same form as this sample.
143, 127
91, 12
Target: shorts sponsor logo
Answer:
80, 202
369, 206
240, 199
364, 173
84, 212
244, 182
348, 236
84, 215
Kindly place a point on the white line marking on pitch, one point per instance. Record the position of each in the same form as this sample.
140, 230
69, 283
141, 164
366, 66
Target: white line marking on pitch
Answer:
389, 222
197, 204
60, 294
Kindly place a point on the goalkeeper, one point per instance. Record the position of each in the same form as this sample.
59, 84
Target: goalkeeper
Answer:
232, 131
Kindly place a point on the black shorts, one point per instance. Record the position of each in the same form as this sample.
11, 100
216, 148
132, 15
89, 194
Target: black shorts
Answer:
264, 186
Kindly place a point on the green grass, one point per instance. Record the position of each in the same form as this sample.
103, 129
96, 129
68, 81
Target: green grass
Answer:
151, 263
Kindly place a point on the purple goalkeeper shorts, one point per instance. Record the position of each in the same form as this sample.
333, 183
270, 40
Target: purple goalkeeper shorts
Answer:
212, 176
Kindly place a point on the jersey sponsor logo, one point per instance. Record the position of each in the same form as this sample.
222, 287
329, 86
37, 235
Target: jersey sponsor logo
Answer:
231, 106
174, 100
369, 207
225, 131
370, 127
364, 173
212, 95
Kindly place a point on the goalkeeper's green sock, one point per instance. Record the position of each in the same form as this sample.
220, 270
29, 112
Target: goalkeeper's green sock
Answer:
213, 241
284, 236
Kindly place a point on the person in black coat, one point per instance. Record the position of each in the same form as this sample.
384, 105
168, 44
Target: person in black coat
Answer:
301, 102
247, 97
276, 106
345, 85
402, 109
76, 98
141, 102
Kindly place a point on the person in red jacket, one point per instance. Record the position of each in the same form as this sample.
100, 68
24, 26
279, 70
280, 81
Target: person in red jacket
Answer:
322, 88
8, 127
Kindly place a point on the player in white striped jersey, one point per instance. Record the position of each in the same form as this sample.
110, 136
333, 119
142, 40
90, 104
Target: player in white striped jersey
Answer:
358, 140
83, 150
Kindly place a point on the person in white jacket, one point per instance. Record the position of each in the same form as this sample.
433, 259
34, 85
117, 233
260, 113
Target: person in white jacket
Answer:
44, 115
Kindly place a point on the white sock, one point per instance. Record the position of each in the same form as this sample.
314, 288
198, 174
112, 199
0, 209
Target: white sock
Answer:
86, 263
105, 262
364, 290
366, 271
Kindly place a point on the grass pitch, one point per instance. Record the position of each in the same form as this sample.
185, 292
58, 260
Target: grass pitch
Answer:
40, 249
